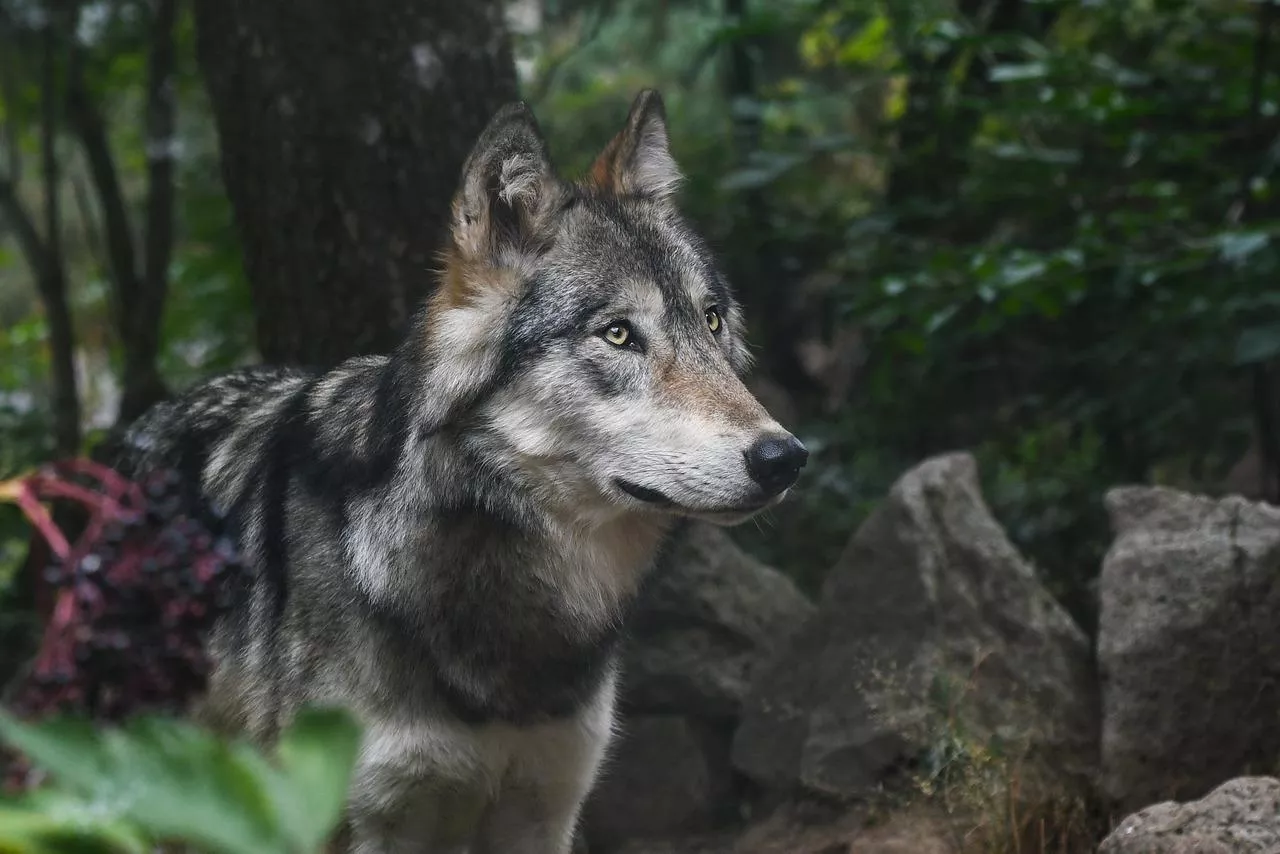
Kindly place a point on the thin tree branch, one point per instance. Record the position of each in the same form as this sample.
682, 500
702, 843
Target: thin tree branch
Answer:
142, 383
160, 153
52, 284
50, 168
89, 126
9, 92
24, 228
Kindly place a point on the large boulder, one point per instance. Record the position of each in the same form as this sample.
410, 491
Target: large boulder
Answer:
1189, 643
1241, 816
934, 638
705, 621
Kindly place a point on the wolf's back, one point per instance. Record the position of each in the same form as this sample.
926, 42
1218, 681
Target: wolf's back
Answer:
186, 432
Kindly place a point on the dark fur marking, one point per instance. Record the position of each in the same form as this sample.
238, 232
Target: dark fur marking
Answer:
490, 636
289, 440
604, 380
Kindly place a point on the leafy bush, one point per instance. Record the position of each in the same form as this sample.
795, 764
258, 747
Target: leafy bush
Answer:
1049, 228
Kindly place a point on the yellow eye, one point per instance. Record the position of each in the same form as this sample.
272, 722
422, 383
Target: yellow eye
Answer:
618, 334
713, 319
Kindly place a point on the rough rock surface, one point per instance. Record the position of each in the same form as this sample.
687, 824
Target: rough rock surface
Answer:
708, 617
931, 628
666, 775
1189, 644
1241, 816
705, 622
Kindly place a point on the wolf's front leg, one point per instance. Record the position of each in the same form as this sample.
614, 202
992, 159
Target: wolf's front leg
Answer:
412, 793
537, 808
432, 820
522, 821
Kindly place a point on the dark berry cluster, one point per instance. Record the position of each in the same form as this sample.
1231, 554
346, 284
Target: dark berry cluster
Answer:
129, 604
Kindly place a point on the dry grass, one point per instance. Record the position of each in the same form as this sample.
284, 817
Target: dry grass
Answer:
999, 796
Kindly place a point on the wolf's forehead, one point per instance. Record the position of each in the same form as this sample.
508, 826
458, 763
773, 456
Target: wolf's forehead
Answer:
631, 251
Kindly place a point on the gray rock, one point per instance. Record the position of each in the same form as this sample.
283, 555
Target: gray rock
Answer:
666, 775
931, 629
1241, 816
703, 624
1189, 643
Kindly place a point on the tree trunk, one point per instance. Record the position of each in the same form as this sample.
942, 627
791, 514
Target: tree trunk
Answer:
343, 135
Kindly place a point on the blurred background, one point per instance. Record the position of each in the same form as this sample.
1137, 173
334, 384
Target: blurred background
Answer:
1042, 231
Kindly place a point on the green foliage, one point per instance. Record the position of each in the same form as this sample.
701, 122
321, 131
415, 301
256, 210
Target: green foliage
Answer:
1050, 228
1053, 226
153, 780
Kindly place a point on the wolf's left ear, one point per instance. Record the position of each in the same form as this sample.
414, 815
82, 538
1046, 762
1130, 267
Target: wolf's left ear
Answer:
508, 187
638, 160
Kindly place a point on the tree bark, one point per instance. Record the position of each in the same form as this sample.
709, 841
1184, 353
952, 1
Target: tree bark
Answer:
342, 138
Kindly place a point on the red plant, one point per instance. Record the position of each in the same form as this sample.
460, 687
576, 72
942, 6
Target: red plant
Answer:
129, 602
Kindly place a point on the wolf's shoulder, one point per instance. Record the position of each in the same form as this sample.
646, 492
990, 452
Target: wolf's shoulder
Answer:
201, 415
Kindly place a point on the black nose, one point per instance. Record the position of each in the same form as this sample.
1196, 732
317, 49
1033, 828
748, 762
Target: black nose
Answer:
775, 463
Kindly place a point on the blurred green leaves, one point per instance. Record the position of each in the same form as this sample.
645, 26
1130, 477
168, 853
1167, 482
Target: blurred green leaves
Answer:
125, 788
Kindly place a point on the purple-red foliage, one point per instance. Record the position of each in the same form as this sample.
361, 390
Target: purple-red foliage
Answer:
128, 605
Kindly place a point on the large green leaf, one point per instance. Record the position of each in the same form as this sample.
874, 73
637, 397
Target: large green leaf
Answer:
317, 754
171, 779
187, 784
57, 822
68, 748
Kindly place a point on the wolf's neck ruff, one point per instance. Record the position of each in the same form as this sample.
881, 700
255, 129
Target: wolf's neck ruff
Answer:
520, 614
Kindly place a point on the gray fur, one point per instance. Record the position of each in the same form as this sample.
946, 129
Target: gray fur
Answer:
447, 539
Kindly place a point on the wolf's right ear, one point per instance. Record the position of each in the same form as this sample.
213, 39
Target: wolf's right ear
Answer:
508, 188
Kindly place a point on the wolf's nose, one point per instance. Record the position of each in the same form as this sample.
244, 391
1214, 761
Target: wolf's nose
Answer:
775, 463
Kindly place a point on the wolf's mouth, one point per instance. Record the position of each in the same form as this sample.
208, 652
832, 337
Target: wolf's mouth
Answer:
717, 515
642, 493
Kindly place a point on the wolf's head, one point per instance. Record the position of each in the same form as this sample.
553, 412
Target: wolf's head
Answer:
584, 334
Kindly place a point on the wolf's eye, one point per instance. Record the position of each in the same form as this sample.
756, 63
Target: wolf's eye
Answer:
713, 319
618, 334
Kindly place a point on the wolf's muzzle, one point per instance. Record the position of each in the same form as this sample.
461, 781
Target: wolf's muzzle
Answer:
775, 462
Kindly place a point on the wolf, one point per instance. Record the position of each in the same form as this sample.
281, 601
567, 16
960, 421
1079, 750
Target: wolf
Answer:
447, 539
